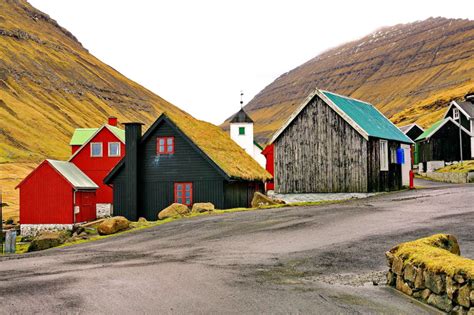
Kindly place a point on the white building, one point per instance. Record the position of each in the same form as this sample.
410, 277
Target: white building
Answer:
241, 131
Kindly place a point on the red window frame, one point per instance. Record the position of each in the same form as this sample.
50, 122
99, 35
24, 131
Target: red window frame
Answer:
165, 145
183, 188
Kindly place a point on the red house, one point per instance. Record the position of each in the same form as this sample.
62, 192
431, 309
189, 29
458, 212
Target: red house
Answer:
56, 195
268, 153
96, 151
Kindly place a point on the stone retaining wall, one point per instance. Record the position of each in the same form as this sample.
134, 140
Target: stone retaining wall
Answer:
453, 294
35, 229
456, 178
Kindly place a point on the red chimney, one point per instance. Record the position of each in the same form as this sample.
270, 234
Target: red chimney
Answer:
112, 121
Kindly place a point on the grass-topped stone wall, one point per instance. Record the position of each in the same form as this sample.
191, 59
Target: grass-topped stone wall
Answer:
431, 270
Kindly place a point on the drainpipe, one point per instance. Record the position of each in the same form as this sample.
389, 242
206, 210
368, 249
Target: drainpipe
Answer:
74, 207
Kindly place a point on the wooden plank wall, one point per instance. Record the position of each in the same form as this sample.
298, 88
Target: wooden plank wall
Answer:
320, 152
383, 180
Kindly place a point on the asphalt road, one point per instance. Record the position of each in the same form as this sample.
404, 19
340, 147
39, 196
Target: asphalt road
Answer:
317, 260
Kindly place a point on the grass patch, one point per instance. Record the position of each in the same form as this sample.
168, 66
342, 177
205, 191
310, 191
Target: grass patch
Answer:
437, 253
465, 167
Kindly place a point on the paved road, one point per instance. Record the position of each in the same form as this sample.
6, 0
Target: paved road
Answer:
289, 260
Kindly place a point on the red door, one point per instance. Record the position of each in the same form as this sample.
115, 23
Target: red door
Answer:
183, 193
87, 206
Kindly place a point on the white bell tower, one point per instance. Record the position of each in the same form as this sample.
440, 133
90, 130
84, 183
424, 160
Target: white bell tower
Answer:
241, 129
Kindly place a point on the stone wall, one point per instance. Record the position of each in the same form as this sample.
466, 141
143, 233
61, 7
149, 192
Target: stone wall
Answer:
451, 293
34, 229
456, 178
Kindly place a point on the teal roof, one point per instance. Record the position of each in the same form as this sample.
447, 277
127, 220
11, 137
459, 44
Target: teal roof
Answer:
368, 118
81, 135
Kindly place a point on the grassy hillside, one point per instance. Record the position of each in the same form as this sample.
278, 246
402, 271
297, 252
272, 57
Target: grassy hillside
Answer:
410, 72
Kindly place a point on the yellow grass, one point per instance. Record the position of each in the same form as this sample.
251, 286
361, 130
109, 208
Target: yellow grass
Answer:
464, 167
10, 175
429, 252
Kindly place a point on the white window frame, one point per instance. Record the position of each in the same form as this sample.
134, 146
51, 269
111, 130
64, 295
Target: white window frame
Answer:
456, 114
383, 155
118, 151
101, 149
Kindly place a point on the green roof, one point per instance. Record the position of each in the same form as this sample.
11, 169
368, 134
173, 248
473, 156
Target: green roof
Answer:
81, 135
368, 118
428, 132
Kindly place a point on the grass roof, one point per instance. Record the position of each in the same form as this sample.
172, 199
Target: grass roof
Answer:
437, 253
220, 148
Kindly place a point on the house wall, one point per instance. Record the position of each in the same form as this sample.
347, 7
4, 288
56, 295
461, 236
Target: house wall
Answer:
320, 152
268, 152
464, 120
383, 180
50, 203
240, 194
98, 167
244, 141
414, 133
444, 145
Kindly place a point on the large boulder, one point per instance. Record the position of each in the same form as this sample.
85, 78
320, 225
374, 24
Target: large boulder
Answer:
47, 239
200, 207
174, 210
113, 225
260, 200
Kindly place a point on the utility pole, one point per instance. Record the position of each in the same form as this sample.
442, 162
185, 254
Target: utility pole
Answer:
457, 116
1, 223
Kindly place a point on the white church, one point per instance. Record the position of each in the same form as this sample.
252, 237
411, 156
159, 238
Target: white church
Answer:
241, 131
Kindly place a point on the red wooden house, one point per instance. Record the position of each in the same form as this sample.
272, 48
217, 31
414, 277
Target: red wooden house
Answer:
56, 195
96, 151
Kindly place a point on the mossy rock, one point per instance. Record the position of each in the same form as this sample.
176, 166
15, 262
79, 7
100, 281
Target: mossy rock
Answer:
173, 211
47, 240
113, 225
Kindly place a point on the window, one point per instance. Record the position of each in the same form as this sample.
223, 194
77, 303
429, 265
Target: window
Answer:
393, 155
455, 113
183, 193
114, 149
165, 145
96, 149
383, 155
242, 131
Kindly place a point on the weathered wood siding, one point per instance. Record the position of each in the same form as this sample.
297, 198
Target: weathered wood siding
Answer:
240, 194
383, 180
320, 152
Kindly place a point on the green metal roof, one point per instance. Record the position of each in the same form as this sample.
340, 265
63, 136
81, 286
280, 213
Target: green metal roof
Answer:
431, 129
368, 118
81, 135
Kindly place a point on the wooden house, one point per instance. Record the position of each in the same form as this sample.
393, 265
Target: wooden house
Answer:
440, 143
334, 143
464, 111
56, 195
96, 151
184, 162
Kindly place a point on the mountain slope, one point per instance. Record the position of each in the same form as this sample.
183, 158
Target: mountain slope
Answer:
50, 84
408, 71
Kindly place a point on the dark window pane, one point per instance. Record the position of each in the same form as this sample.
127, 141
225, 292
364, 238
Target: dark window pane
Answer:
188, 201
170, 148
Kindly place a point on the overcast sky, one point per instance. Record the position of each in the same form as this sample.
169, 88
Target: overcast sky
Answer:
199, 54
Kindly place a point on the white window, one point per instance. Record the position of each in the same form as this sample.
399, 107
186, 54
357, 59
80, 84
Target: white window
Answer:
455, 113
114, 149
96, 149
383, 155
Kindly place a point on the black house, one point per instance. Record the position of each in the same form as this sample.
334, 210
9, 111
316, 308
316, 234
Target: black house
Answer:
186, 163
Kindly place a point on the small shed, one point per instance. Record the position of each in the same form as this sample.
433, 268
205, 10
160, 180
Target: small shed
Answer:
56, 195
333, 143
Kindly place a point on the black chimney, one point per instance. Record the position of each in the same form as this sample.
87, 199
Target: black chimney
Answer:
469, 97
133, 134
